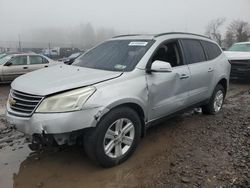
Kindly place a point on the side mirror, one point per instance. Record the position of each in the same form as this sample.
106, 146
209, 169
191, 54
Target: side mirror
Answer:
161, 66
8, 64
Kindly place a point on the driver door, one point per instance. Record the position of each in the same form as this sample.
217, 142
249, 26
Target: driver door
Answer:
17, 67
168, 91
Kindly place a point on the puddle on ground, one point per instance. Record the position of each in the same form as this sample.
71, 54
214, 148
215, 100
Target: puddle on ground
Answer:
10, 163
69, 167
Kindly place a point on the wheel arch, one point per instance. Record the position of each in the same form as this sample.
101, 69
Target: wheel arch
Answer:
137, 108
224, 83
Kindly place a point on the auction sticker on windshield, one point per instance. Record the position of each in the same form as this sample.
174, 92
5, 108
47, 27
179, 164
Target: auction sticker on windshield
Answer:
138, 43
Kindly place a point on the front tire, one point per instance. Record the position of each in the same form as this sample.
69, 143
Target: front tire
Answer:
216, 101
115, 138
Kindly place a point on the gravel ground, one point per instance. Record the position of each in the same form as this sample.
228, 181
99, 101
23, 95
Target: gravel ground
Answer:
191, 150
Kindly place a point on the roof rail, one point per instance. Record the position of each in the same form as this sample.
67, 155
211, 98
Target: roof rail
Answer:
129, 35
170, 33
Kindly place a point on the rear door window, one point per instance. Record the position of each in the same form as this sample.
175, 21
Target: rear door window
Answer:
35, 59
211, 49
193, 51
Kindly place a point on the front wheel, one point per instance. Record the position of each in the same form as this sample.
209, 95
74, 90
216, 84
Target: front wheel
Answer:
115, 138
216, 101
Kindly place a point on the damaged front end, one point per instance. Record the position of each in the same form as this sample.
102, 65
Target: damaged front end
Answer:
40, 141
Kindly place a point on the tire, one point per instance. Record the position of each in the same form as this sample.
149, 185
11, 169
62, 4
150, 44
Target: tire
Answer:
110, 132
214, 107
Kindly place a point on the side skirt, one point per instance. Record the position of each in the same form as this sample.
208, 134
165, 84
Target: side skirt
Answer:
165, 118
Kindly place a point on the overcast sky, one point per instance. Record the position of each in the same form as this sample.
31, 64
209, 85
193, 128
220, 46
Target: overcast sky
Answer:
125, 16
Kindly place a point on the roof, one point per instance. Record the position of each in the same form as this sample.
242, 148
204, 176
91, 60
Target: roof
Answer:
19, 54
152, 36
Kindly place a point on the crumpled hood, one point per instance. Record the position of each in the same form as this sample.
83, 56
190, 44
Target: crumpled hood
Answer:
237, 55
59, 78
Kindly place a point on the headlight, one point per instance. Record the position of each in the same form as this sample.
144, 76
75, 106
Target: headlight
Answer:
68, 101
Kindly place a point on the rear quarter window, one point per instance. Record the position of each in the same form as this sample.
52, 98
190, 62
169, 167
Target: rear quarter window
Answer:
211, 49
193, 51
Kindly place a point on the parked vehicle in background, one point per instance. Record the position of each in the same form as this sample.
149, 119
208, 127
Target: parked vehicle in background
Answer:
69, 60
239, 57
115, 91
58, 52
12, 66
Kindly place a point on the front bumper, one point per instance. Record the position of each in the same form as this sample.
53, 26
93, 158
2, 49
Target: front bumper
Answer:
55, 123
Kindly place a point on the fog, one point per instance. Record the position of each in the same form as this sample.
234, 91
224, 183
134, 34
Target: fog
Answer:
61, 21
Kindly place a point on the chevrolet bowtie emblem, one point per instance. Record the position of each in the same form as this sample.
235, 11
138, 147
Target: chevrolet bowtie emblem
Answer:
12, 101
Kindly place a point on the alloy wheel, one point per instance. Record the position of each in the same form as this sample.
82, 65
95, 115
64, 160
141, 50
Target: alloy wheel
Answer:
119, 138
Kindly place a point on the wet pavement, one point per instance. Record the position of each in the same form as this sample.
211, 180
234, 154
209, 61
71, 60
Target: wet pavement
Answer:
191, 150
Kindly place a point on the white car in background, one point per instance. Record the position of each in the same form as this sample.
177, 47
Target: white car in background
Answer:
239, 57
15, 65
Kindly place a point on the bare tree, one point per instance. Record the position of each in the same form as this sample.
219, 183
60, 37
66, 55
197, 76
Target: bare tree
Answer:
240, 30
213, 30
229, 39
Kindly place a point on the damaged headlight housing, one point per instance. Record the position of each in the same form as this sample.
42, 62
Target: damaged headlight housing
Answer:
65, 102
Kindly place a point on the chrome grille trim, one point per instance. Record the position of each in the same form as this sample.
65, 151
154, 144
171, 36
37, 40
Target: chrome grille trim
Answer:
25, 104
24, 100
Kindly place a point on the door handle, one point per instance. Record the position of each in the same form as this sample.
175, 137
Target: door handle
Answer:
210, 70
25, 67
184, 76
46, 66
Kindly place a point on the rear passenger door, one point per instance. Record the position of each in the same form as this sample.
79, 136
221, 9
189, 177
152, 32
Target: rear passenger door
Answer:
213, 53
37, 62
201, 70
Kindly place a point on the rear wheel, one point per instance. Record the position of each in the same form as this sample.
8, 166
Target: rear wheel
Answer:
216, 101
115, 138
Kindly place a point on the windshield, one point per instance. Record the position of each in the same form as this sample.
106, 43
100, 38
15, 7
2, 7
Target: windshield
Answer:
4, 59
240, 48
117, 55
2, 55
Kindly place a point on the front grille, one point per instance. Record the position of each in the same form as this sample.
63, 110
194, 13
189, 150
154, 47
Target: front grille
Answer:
240, 68
240, 63
23, 104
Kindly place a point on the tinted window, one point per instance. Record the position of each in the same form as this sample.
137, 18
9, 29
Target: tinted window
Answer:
193, 51
116, 55
36, 60
19, 60
170, 53
211, 49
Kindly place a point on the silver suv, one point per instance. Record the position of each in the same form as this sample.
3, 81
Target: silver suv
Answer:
115, 91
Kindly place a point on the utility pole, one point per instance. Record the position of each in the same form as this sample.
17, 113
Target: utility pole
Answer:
19, 43
49, 50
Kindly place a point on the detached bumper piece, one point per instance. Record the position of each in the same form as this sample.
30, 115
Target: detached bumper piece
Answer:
240, 69
39, 141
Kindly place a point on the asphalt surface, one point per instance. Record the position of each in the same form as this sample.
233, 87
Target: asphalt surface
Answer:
191, 150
